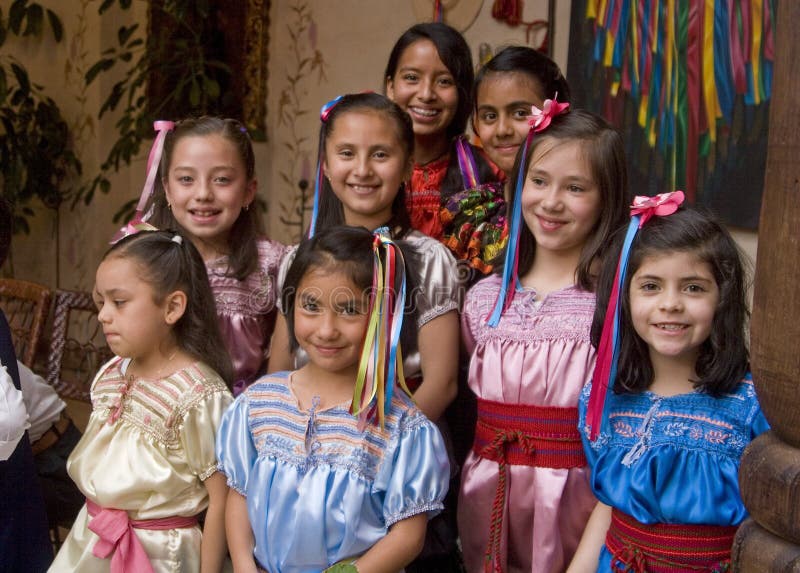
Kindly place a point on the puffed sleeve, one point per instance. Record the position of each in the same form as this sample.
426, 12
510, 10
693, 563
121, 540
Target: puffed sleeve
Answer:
467, 319
236, 451
199, 433
283, 270
13, 415
415, 473
438, 285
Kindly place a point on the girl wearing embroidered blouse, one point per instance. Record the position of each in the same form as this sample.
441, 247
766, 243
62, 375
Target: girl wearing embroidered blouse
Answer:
506, 87
366, 145
664, 443
207, 188
146, 461
429, 75
312, 485
525, 496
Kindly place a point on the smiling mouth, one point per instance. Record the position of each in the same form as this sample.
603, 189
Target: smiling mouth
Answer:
671, 326
550, 224
204, 213
424, 112
363, 189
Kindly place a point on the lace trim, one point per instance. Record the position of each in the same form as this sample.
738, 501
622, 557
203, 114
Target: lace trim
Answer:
424, 507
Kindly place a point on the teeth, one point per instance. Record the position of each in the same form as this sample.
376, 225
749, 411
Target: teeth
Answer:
671, 326
425, 112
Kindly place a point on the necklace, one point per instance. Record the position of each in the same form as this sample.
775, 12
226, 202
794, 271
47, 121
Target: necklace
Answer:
131, 376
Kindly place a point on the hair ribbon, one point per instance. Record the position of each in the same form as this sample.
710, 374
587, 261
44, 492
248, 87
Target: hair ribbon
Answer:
605, 369
381, 364
139, 220
324, 114
539, 120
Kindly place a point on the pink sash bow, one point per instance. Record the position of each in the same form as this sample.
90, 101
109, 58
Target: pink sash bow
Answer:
119, 541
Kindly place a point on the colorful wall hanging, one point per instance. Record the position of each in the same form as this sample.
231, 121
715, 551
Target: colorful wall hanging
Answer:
689, 83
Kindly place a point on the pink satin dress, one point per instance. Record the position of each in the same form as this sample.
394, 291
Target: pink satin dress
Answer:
247, 310
539, 354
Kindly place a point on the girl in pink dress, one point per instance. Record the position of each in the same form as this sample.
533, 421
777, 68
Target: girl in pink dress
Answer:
207, 189
525, 496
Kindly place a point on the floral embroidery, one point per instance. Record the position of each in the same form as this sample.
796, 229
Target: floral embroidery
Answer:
623, 429
716, 436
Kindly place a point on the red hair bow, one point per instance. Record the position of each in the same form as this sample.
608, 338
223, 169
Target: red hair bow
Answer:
662, 204
541, 118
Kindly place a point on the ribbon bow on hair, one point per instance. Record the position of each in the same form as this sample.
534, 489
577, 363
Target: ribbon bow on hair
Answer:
139, 221
605, 369
662, 205
541, 118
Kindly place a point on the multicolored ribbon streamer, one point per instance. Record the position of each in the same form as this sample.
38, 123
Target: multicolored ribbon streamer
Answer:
605, 370
540, 120
684, 62
324, 113
139, 220
381, 365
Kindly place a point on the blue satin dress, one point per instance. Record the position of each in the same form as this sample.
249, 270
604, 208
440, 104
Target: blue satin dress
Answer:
318, 490
673, 459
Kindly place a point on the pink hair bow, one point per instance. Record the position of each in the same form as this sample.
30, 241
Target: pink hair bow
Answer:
140, 218
662, 204
541, 118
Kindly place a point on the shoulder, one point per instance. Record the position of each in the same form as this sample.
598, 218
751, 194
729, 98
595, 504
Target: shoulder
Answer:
270, 253
430, 250
197, 381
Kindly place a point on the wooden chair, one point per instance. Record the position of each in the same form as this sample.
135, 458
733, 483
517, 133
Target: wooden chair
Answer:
77, 346
25, 305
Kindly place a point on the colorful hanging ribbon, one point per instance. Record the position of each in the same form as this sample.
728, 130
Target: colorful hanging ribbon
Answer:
324, 114
381, 365
139, 220
684, 62
540, 120
605, 370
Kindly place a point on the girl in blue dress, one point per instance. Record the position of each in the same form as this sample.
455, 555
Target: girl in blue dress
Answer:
314, 486
664, 444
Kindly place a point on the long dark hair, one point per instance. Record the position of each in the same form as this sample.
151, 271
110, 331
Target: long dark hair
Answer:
168, 264
533, 63
455, 54
606, 157
347, 250
243, 257
723, 358
331, 212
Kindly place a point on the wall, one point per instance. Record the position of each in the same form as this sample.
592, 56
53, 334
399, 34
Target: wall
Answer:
350, 41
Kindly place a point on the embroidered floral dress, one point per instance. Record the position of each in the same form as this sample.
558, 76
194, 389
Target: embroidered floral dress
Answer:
423, 197
674, 459
319, 490
147, 448
540, 354
246, 310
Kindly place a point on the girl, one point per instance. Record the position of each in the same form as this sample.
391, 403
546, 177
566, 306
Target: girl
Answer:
506, 87
366, 145
665, 448
207, 189
312, 485
146, 460
430, 75
524, 491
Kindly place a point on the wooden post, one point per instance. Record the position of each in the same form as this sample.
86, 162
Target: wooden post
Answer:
769, 477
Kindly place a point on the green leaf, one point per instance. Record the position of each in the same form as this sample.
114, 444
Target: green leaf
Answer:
194, 94
3, 85
124, 34
35, 17
105, 6
101, 66
22, 78
55, 25
212, 89
16, 14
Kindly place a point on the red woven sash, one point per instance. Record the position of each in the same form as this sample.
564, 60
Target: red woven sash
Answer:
523, 435
666, 548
